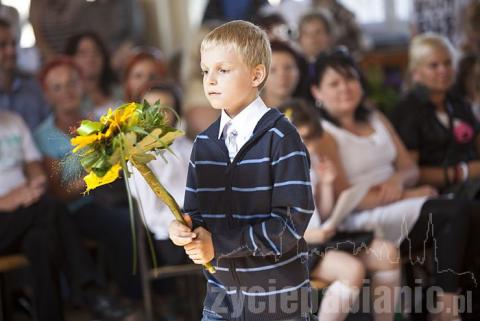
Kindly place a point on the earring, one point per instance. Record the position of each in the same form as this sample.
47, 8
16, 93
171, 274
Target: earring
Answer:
319, 104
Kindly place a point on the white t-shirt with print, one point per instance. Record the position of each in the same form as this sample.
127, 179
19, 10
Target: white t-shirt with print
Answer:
16, 149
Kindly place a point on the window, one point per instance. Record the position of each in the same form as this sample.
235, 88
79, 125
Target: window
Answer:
27, 38
367, 11
382, 16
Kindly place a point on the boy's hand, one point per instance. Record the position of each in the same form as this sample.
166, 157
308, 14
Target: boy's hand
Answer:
181, 234
201, 250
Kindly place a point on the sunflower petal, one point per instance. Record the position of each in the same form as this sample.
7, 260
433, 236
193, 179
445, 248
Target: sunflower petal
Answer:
93, 181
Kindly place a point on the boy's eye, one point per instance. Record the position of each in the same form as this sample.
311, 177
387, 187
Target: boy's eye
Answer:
204, 72
223, 71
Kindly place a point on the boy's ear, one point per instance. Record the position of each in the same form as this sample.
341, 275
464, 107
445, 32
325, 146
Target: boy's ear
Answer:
259, 73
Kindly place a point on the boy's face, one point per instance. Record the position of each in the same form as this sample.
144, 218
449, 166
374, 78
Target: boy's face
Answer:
228, 82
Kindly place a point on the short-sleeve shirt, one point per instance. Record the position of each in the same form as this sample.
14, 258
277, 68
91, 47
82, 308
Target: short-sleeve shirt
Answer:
16, 149
419, 127
26, 99
55, 144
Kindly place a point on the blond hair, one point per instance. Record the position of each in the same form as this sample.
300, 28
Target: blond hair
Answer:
422, 45
246, 39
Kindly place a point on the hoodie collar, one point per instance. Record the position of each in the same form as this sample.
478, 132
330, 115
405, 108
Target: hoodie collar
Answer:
246, 121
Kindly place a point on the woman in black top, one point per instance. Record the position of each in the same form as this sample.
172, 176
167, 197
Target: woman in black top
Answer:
440, 131
436, 125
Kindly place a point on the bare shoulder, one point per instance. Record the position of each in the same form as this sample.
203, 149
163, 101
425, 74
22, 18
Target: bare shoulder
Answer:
326, 144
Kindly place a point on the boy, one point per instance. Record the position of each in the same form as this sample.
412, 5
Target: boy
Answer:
248, 196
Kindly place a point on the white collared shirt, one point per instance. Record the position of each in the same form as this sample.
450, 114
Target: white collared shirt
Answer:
241, 126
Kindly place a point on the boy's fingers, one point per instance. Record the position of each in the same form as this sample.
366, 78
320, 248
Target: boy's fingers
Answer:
194, 257
192, 252
183, 240
186, 234
188, 220
199, 230
190, 246
197, 259
182, 227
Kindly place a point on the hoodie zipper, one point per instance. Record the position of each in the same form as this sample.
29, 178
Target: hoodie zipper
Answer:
228, 189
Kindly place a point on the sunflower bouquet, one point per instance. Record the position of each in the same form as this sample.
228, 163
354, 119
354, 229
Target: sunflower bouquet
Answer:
132, 133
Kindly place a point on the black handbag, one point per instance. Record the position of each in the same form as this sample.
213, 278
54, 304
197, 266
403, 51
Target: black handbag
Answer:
468, 190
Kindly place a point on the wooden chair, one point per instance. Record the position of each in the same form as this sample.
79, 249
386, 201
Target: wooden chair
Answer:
13, 262
8, 263
149, 274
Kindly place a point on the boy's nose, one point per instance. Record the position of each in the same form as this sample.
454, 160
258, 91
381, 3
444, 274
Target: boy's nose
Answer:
211, 79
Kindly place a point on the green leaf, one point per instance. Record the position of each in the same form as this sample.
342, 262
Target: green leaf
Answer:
142, 158
101, 166
88, 127
129, 141
139, 130
88, 160
158, 139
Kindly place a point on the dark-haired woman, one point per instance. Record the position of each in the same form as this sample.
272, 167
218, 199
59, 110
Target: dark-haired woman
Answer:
284, 75
346, 257
91, 55
368, 151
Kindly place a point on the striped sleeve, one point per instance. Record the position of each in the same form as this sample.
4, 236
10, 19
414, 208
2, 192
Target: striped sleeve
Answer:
190, 205
292, 207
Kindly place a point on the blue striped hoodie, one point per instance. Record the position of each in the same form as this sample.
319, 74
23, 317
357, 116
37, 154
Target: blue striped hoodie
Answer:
257, 208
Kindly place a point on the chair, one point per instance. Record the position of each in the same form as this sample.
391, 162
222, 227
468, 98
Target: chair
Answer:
8, 263
149, 274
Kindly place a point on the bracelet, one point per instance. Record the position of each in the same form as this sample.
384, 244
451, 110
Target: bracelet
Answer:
464, 168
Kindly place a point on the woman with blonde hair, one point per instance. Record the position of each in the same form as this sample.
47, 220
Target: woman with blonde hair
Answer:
436, 124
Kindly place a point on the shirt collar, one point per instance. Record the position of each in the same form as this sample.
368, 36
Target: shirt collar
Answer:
244, 123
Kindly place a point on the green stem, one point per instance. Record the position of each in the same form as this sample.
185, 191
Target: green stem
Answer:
132, 220
149, 238
165, 196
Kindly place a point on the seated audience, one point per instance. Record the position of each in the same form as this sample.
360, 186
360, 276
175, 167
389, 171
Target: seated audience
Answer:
41, 229
368, 151
346, 257
63, 89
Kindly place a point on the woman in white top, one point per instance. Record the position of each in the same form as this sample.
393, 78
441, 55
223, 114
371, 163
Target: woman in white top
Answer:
341, 259
171, 171
368, 151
